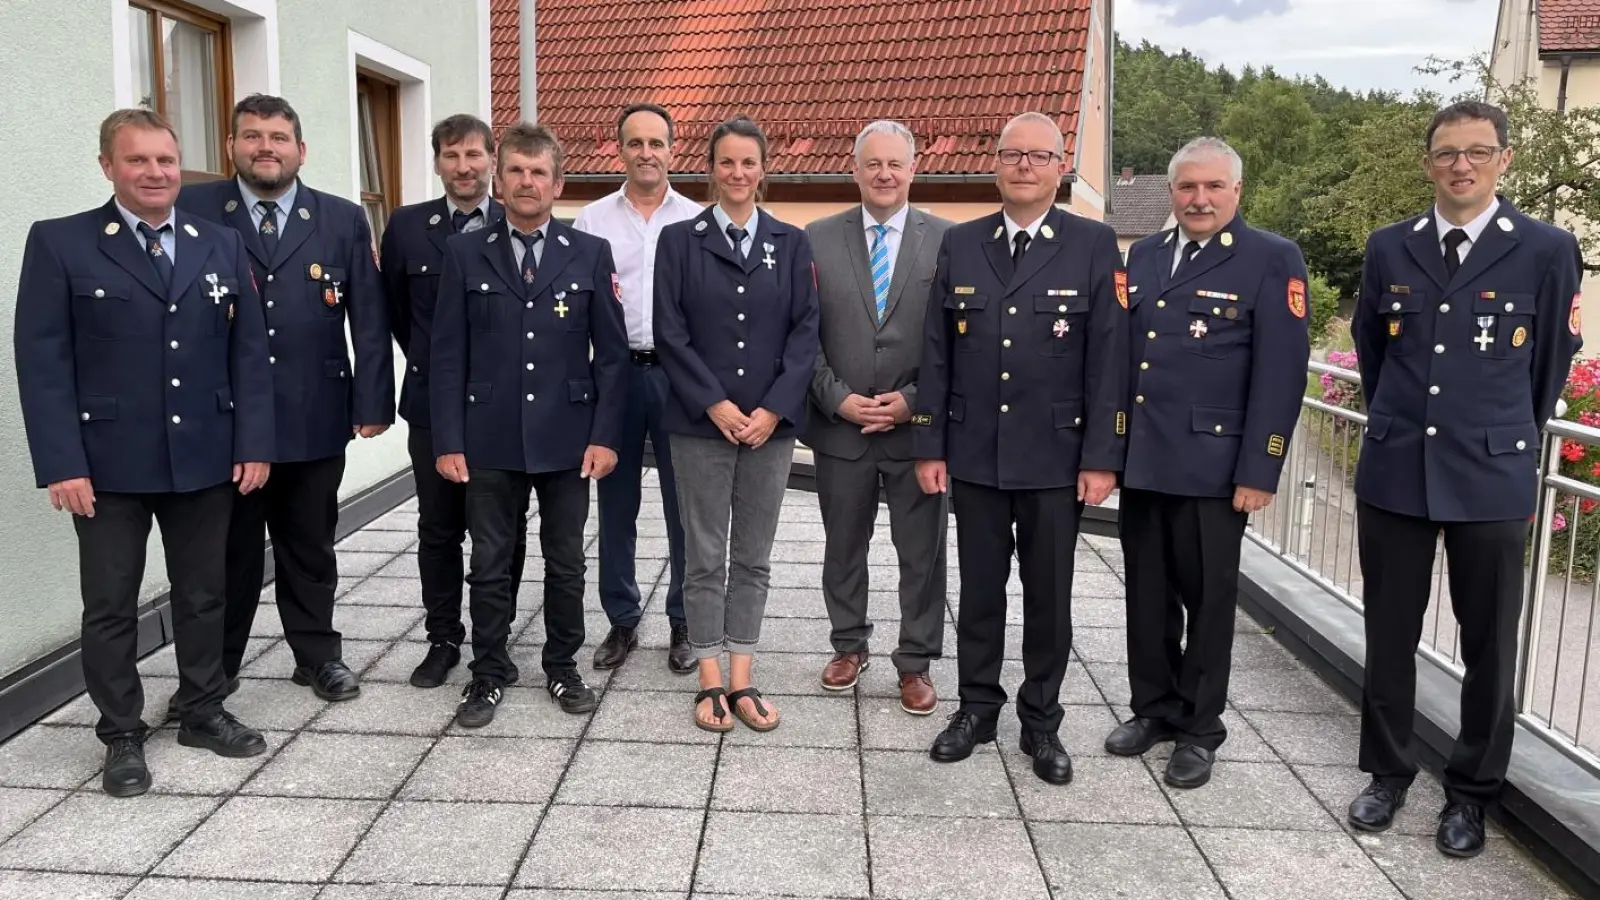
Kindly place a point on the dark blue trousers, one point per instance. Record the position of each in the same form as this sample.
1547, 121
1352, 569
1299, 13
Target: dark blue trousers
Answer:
619, 495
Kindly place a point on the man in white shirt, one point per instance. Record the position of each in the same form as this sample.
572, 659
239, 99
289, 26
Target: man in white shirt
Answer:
631, 219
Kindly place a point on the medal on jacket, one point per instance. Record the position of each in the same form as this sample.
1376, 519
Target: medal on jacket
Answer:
1484, 338
1394, 326
1060, 328
961, 325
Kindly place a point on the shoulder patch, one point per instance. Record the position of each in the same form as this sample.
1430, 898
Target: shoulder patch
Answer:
616, 286
1575, 319
1297, 298
1120, 276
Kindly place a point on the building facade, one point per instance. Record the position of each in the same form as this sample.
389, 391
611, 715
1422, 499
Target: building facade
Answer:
368, 79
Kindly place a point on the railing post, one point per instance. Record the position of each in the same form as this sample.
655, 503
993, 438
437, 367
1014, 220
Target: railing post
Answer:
1533, 602
1306, 512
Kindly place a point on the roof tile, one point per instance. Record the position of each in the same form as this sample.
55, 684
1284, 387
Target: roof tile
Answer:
1569, 25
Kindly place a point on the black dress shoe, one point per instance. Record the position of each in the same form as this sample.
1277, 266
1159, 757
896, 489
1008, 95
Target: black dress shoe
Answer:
567, 688
1050, 760
126, 774
435, 667
680, 659
331, 680
1374, 808
223, 735
1460, 830
614, 650
478, 701
1137, 735
1190, 766
964, 733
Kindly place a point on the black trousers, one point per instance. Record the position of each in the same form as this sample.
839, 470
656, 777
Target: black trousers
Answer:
497, 506
1182, 558
111, 562
1046, 540
441, 527
1486, 572
299, 508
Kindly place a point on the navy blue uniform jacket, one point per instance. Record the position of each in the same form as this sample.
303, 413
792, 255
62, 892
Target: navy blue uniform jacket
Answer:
322, 274
513, 384
412, 260
1024, 373
141, 389
1460, 374
1219, 361
731, 330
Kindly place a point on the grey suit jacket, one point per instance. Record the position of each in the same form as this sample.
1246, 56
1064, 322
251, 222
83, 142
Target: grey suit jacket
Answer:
859, 355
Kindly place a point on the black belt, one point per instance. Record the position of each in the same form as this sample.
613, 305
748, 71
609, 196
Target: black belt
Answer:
644, 357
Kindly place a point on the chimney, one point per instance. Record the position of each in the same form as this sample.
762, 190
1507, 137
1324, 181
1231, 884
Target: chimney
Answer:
1127, 175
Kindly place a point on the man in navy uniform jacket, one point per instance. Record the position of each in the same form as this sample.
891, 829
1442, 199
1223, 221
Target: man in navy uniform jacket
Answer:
1020, 405
518, 404
142, 365
1466, 326
1218, 349
312, 256
412, 261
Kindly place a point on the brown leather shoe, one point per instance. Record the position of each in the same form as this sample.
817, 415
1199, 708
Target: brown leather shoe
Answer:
917, 695
841, 673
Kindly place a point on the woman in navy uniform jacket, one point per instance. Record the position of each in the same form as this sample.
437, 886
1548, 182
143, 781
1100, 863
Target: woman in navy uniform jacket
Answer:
736, 330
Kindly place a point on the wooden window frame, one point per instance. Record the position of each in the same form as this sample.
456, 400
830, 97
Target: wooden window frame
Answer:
218, 26
382, 97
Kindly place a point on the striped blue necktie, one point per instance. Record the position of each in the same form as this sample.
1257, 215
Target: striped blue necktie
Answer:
880, 269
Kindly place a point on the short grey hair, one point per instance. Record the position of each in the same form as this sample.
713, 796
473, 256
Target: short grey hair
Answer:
1041, 118
886, 126
1202, 147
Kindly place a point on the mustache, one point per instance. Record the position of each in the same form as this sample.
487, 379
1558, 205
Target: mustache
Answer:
1204, 209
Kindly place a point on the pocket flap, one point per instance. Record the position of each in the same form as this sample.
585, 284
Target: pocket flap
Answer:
423, 267
336, 368
1209, 306
480, 391
316, 272
576, 284
958, 408
224, 400
100, 288
1500, 303
94, 409
580, 390
1503, 439
1058, 304
1067, 413
966, 301
1378, 426
1217, 420
1400, 304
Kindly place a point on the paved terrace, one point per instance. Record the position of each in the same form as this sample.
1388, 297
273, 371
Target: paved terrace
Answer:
383, 797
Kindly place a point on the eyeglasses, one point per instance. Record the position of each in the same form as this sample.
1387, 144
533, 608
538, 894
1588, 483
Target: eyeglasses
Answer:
1443, 159
1035, 157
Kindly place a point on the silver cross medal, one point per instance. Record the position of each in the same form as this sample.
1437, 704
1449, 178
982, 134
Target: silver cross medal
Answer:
1060, 328
217, 292
1197, 328
767, 260
1484, 339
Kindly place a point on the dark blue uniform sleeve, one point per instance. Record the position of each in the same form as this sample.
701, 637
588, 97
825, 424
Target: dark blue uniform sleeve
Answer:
391, 271
1366, 325
609, 335
933, 379
1280, 348
690, 377
447, 359
1559, 326
250, 374
1105, 443
46, 374
369, 331
787, 395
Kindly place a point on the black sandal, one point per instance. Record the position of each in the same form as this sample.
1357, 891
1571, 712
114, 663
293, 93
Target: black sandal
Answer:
761, 709
715, 695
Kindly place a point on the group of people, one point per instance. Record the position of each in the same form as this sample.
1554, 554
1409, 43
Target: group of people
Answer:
183, 355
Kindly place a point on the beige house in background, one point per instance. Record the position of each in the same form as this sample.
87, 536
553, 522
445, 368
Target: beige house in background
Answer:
1556, 43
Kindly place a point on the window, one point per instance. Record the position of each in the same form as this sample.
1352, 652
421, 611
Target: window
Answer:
378, 118
180, 69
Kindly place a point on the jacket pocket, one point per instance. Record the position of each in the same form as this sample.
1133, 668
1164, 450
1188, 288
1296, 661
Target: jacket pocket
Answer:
1217, 420
580, 390
1504, 439
1067, 413
92, 408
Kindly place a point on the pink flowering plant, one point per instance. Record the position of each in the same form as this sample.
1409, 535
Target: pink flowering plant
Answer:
1580, 462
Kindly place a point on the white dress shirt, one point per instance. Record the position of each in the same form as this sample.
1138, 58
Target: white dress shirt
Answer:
891, 238
633, 248
1474, 229
1012, 228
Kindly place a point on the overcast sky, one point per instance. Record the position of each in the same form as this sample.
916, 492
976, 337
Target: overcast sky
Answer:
1359, 44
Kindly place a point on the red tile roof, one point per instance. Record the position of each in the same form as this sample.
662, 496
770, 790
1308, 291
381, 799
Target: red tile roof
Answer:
505, 70
810, 72
1569, 25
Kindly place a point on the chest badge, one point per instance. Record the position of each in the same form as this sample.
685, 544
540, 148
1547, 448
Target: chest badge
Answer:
1060, 328
1519, 337
767, 260
961, 326
331, 295
1394, 326
1484, 338
1197, 329
562, 309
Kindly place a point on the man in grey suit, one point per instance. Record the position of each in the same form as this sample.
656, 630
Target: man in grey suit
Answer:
875, 266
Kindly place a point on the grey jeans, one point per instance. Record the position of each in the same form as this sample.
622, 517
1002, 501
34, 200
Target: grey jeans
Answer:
726, 573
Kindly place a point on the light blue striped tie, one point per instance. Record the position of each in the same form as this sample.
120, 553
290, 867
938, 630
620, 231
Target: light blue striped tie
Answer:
880, 269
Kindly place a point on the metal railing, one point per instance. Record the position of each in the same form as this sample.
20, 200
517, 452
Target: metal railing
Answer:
1311, 527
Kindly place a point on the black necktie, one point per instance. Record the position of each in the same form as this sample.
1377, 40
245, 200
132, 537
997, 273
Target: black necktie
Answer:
738, 235
269, 227
1189, 251
530, 265
1453, 239
1019, 247
158, 256
459, 219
